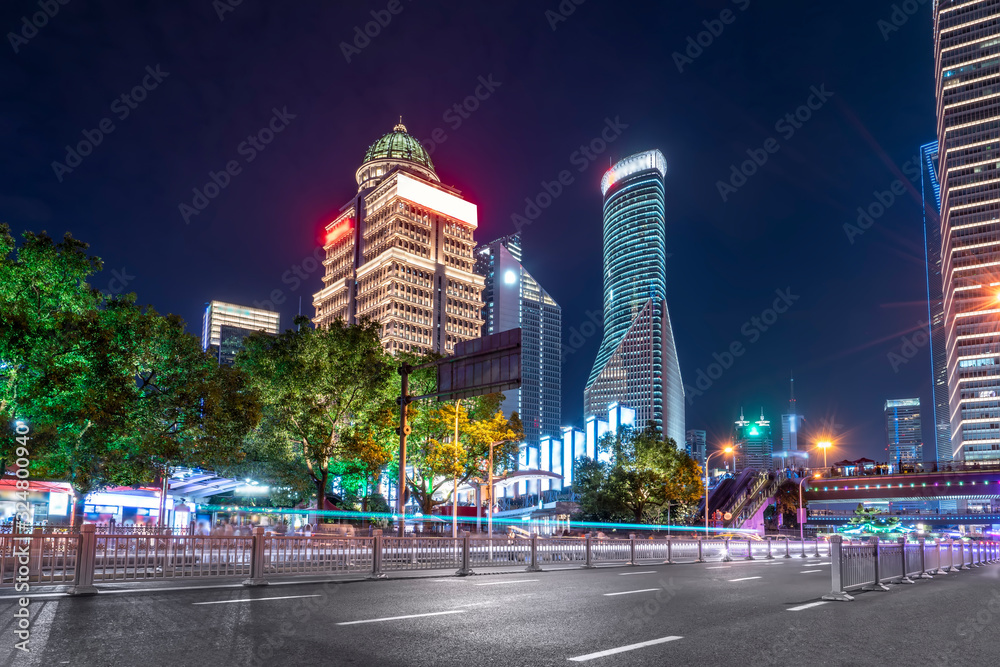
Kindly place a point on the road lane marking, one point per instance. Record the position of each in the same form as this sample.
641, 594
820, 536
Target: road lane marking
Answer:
641, 590
806, 606
283, 597
822, 563
809, 571
625, 574
719, 567
622, 649
511, 581
744, 579
399, 618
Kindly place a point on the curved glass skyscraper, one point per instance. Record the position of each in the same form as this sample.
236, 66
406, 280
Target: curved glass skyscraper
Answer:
637, 365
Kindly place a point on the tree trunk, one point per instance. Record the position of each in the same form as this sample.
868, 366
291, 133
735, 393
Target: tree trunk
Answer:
321, 492
78, 502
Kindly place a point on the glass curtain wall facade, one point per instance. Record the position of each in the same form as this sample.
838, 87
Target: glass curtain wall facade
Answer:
753, 445
512, 298
401, 253
903, 437
637, 364
243, 318
967, 75
930, 189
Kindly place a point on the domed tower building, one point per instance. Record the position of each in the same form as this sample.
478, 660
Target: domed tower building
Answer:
401, 253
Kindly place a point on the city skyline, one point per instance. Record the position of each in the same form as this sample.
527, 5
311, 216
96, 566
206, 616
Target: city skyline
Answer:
259, 239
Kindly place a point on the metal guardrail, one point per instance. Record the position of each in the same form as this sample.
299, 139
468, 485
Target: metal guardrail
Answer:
871, 566
81, 560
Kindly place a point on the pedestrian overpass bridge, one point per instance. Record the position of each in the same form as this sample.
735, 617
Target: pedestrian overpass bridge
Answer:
970, 483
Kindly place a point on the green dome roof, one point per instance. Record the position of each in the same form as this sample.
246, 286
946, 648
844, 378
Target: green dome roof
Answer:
398, 145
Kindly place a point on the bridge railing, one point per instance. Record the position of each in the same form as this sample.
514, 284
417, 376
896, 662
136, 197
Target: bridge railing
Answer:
85, 559
872, 566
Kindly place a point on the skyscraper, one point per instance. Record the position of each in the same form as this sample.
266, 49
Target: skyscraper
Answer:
968, 111
903, 437
401, 253
752, 443
930, 190
791, 424
637, 364
696, 445
512, 298
225, 325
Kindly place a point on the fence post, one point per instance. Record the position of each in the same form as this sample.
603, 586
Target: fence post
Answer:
533, 566
817, 547
588, 546
377, 547
940, 569
837, 591
670, 552
168, 551
256, 559
802, 546
35, 553
631, 549
86, 557
924, 574
701, 555
788, 548
976, 554
877, 585
749, 551
964, 565
466, 568
902, 556
725, 555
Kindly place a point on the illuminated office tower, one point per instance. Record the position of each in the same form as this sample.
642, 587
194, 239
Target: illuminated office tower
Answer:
967, 76
903, 437
400, 253
225, 325
696, 445
637, 362
930, 190
512, 298
752, 443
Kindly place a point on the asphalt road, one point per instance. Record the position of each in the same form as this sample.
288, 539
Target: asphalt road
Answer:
741, 613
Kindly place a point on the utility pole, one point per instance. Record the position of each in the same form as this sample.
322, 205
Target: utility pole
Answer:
454, 480
404, 430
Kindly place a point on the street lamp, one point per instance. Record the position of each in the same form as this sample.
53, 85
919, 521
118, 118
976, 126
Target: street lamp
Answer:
724, 451
824, 445
802, 514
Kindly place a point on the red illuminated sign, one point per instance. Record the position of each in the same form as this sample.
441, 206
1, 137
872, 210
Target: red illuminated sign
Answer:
339, 231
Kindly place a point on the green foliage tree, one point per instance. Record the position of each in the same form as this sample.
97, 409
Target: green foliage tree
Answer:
114, 393
314, 384
646, 473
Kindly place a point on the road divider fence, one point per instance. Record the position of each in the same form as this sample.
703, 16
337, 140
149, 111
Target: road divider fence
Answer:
82, 561
876, 565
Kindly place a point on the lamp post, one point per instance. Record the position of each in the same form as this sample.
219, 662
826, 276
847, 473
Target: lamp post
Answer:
824, 445
707, 459
802, 511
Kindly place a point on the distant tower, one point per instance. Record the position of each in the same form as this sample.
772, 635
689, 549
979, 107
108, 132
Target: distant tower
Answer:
512, 298
752, 443
930, 189
791, 424
225, 325
904, 439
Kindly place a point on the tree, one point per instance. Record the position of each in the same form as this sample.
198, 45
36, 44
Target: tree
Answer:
646, 473
314, 383
113, 392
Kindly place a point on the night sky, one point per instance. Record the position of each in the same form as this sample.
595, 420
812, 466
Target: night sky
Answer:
212, 82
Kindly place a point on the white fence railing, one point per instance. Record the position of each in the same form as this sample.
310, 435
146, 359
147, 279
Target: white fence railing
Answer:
871, 566
86, 559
